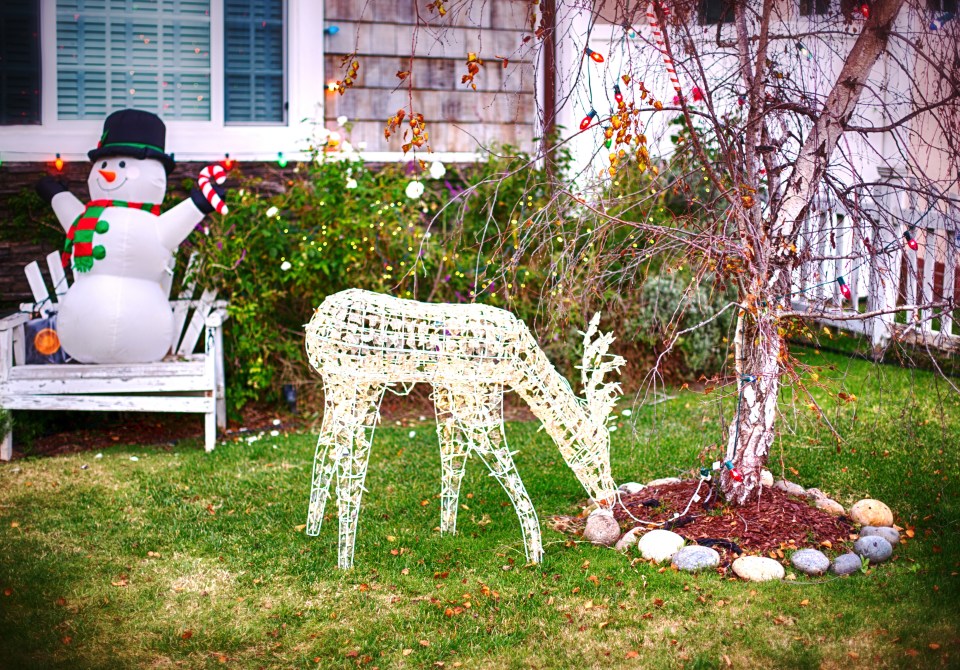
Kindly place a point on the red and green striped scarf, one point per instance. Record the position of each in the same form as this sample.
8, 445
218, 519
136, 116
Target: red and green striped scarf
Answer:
80, 237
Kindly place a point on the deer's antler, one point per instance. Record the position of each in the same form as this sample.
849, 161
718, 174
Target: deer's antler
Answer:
600, 397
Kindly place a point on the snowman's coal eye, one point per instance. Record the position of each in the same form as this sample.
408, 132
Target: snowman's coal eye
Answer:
123, 163
104, 164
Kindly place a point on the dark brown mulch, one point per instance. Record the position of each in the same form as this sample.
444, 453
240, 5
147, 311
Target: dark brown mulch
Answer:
774, 523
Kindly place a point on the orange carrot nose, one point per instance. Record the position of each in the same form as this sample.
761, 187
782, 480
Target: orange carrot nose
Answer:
108, 175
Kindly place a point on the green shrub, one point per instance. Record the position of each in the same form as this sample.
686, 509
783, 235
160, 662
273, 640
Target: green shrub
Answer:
338, 224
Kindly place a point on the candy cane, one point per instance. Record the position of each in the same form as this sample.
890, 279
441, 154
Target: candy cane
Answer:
655, 27
219, 175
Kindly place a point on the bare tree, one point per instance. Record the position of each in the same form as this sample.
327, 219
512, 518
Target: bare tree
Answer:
761, 120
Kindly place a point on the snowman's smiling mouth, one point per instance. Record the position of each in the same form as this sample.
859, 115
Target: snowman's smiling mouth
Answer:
100, 184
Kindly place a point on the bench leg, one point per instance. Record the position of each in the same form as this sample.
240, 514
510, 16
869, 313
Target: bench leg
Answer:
209, 431
6, 447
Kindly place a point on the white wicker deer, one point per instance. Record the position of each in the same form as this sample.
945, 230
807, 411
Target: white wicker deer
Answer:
363, 342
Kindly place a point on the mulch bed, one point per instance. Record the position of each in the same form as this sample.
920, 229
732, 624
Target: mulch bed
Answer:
774, 523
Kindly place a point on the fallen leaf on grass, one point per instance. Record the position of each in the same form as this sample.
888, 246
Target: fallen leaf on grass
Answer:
353, 653
934, 646
854, 655
804, 602
632, 654
300, 527
407, 652
186, 635
424, 643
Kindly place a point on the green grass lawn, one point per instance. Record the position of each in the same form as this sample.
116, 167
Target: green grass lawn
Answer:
186, 559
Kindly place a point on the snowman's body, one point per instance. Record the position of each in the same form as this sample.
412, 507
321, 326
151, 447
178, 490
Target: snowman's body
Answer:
117, 312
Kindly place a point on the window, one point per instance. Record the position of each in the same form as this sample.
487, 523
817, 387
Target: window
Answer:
942, 6
716, 11
113, 54
253, 61
20, 62
814, 7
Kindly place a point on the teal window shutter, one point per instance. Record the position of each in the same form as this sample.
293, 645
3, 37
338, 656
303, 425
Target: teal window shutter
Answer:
20, 62
254, 61
115, 54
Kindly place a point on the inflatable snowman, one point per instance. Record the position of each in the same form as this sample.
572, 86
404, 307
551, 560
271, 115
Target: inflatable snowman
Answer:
120, 246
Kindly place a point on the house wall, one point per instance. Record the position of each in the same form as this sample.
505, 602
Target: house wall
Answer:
460, 120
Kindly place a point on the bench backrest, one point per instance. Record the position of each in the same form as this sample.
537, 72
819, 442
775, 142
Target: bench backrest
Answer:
189, 315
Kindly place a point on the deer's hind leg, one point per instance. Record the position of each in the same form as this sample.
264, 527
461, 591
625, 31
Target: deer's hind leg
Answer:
478, 412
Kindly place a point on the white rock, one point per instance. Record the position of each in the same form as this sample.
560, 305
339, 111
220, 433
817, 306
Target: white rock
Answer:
789, 487
766, 478
757, 569
629, 539
631, 487
602, 528
664, 480
659, 545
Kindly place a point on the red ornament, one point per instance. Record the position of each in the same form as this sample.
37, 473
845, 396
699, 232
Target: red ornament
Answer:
617, 95
588, 119
844, 289
594, 56
912, 243
697, 94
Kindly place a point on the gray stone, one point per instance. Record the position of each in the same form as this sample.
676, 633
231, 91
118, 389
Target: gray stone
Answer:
659, 545
695, 557
789, 487
757, 569
602, 528
810, 561
629, 539
631, 487
888, 533
874, 548
846, 564
664, 480
829, 506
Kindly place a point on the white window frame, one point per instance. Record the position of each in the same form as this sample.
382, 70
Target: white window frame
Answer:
191, 140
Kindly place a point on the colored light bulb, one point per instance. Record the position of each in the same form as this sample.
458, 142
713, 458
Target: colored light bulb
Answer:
594, 56
281, 160
228, 162
912, 243
58, 163
735, 474
804, 51
588, 119
865, 10
617, 95
844, 289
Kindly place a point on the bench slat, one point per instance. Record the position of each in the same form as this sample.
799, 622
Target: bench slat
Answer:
102, 403
19, 384
192, 334
192, 366
57, 275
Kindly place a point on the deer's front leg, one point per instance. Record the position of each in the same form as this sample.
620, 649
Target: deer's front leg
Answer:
478, 411
454, 451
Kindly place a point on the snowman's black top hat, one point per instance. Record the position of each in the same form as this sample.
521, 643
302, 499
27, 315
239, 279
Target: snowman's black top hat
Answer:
134, 133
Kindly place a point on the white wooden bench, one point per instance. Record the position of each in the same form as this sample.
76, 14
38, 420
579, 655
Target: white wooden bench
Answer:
184, 381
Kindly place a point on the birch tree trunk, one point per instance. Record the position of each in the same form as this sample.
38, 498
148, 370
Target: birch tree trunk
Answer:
759, 345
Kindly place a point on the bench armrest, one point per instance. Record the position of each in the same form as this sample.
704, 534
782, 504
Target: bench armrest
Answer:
216, 318
14, 320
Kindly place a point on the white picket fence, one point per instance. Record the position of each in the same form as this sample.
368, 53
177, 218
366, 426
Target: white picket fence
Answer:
883, 272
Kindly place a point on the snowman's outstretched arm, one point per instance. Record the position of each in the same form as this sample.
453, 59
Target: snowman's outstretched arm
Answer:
177, 223
65, 204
